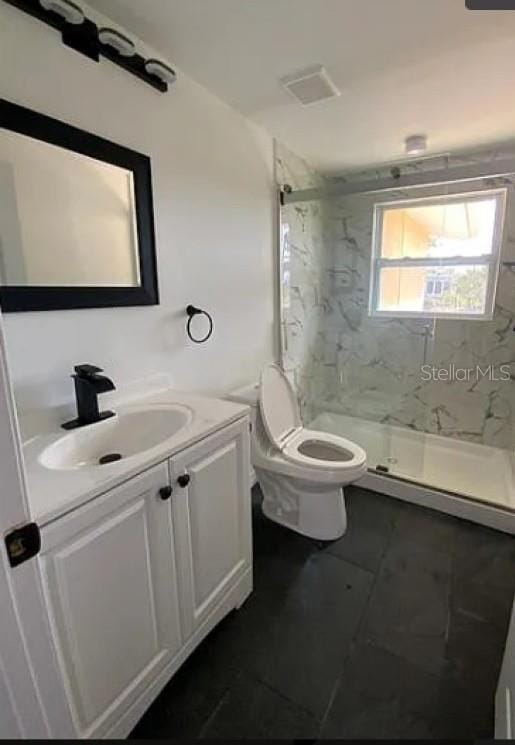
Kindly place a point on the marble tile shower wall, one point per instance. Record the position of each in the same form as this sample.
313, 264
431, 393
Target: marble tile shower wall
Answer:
304, 260
347, 362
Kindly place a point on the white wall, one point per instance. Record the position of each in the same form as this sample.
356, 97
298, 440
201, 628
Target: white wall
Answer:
214, 214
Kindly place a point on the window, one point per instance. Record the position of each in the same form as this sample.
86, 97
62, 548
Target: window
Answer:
437, 256
437, 284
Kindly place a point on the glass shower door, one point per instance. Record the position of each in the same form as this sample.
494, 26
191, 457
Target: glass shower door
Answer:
402, 428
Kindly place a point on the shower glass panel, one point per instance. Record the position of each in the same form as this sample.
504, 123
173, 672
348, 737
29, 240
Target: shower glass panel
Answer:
428, 391
376, 360
303, 279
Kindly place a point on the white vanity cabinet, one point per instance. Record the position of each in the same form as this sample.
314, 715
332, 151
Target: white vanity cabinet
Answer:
135, 578
212, 523
109, 577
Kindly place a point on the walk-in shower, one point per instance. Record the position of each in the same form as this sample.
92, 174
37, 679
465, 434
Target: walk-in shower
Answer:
398, 316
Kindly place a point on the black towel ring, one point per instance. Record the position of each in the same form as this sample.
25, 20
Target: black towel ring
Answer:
192, 312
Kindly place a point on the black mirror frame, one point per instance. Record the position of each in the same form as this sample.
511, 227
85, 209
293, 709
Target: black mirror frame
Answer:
33, 298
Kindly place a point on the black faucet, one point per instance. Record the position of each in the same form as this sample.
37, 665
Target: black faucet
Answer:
88, 384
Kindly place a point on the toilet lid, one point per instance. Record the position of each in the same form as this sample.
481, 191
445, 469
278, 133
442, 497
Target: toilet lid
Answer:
278, 405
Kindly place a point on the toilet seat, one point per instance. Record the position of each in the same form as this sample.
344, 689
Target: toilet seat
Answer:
351, 455
315, 451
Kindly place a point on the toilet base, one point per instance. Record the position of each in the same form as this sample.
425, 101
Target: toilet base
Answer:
312, 509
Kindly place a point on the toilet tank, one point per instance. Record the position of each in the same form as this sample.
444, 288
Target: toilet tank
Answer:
248, 395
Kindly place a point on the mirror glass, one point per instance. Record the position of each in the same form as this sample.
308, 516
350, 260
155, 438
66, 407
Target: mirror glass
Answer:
66, 219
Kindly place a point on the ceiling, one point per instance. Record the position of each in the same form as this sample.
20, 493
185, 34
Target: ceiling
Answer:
403, 67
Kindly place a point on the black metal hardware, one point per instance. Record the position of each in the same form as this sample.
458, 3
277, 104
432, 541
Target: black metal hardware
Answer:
84, 39
135, 65
286, 189
109, 458
23, 543
183, 480
88, 385
191, 312
382, 469
165, 492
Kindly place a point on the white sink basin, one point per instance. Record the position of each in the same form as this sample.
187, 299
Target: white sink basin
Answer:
128, 434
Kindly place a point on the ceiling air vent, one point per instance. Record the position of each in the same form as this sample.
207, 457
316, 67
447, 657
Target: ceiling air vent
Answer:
311, 85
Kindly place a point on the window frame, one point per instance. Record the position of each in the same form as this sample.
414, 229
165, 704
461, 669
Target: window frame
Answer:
492, 260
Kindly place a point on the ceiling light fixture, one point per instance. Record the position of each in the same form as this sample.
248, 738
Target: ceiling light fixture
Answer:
416, 144
120, 43
160, 71
66, 9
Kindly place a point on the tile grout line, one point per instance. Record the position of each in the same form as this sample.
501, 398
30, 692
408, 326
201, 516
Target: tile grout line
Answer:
257, 679
376, 578
217, 708
374, 643
333, 695
354, 640
283, 696
347, 561
252, 674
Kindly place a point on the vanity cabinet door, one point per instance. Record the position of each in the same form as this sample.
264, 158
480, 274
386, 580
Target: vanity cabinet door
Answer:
110, 586
212, 520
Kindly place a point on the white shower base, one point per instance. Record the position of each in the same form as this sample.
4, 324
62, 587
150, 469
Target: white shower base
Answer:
484, 474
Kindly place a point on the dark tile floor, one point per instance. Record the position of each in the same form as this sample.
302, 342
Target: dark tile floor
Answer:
395, 631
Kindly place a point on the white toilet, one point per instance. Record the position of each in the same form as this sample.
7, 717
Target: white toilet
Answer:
301, 472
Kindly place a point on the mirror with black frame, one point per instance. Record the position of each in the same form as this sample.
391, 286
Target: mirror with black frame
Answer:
76, 218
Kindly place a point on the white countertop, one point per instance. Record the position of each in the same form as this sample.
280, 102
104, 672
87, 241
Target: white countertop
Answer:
52, 492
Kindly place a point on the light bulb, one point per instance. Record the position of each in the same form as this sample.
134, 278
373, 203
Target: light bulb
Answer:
111, 38
160, 70
66, 9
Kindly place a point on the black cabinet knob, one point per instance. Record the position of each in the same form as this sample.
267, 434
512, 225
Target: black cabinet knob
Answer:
183, 480
165, 492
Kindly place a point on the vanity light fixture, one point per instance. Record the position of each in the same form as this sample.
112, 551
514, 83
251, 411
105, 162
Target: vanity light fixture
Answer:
117, 41
161, 71
83, 35
66, 9
416, 144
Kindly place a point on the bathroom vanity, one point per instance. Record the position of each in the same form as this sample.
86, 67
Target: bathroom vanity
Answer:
140, 557
139, 520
